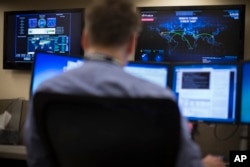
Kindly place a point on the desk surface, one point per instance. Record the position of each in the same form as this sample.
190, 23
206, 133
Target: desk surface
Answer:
13, 152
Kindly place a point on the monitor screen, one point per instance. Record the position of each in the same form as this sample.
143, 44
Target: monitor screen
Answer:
58, 63
49, 65
192, 33
155, 73
245, 93
206, 92
55, 31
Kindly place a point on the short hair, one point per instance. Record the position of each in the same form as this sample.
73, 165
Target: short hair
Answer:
111, 22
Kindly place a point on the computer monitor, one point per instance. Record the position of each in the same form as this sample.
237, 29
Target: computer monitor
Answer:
206, 92
153, 72
245, 94
48, 65
58, 63
192, 33
56, 31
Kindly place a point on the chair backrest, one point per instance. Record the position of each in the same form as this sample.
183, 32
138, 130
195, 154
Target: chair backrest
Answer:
108, 131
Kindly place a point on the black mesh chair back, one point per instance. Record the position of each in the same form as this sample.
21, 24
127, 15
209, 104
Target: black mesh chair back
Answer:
83, 131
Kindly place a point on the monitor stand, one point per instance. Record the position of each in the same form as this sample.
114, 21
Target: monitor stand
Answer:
244, 137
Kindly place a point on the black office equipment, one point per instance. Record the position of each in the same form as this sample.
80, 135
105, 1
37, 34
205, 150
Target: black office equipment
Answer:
107, 131
192, 33
11, 110
55, 31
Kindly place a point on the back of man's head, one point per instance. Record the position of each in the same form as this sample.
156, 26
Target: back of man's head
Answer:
111, 23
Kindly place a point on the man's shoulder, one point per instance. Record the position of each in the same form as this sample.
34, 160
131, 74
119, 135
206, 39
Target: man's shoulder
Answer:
111, 81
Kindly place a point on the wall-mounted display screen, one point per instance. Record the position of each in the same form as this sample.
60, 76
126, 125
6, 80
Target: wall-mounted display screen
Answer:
192, 34
55, 31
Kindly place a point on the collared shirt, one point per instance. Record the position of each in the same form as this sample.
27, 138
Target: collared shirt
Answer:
104, 78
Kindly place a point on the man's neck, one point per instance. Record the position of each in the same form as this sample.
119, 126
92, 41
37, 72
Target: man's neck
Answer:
117, 54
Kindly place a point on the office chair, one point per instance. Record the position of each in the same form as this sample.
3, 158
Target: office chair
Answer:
108, 131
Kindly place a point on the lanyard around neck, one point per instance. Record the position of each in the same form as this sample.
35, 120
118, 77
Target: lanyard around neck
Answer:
101, 57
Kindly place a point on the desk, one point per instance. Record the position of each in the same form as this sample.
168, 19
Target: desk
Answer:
17, 152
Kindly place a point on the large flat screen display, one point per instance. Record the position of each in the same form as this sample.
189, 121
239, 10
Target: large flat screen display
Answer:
192, 33
245, 93
55, 31
48, 65
207, 92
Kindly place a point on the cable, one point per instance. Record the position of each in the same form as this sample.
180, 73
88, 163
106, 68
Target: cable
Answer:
226, 138
194, 130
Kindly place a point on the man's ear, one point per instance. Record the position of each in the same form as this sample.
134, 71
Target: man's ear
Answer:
132, 44
84, 40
